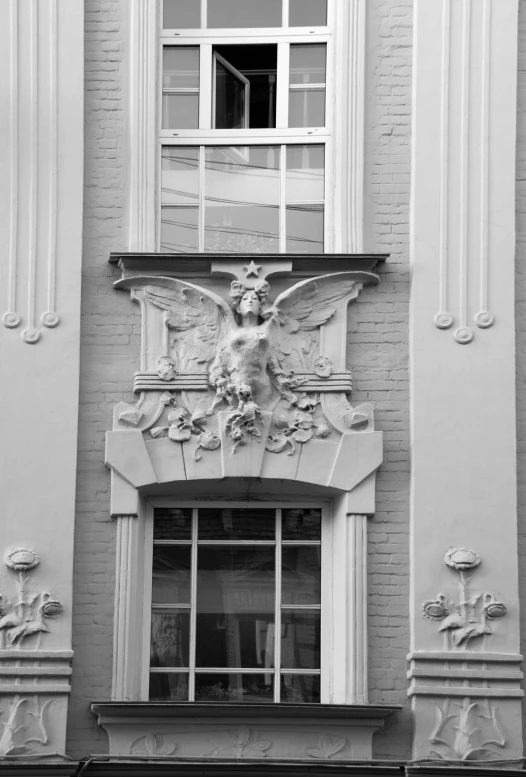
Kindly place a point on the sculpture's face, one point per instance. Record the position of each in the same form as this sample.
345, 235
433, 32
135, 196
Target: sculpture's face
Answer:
249, 303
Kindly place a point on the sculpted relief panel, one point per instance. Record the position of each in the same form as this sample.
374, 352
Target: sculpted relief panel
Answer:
246, 370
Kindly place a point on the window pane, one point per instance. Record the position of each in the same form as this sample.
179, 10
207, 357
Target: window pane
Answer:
180, 111
300, 575
303, 13
300, 689
300, 639
172, 523
301, 524
171, 574
244, 13
180, 175
168, 687
307, 63
181, 14
246, 688
169, 638
230, 99
305, 229
180, 67
305, 173
237, 524
179, 229
242, 199
307, 108
235, 606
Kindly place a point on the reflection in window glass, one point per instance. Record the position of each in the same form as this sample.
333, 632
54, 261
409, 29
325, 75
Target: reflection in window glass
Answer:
222, 628
168, 687
171, 574
235, 605
303, 13
305, 173
244, 13
300, 689
305, 227
180, 108
181, 14
246, 688
242, 199
300, 639
180, 199
170, 638
307, 85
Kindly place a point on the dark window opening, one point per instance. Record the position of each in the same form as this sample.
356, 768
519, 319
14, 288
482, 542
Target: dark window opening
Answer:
257, 64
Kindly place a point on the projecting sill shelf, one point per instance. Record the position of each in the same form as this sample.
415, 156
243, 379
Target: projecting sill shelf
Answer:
222, 730
294, 265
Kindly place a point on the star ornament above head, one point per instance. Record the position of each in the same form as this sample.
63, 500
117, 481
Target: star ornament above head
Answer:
251, 269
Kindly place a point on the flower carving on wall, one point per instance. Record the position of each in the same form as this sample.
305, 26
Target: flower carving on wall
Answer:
243, 744
471, 616
28, 614
468, 730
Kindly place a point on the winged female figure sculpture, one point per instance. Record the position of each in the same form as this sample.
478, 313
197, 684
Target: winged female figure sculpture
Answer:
251, 349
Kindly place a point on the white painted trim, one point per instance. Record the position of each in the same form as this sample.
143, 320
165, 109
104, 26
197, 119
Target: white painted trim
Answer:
357, 691
348, 65
142, 162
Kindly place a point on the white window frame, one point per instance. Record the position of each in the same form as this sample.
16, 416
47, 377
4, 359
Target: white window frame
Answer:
281, 135
344, 200
326, 626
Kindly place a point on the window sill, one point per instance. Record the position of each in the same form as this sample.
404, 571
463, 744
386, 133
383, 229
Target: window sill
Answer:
316, 732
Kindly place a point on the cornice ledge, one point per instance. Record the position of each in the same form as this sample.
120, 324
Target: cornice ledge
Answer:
106, 710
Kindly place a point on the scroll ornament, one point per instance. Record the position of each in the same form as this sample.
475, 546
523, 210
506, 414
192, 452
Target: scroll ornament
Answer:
472, 615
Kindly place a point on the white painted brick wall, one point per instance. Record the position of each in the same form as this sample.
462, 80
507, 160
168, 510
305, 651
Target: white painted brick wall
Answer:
377, 354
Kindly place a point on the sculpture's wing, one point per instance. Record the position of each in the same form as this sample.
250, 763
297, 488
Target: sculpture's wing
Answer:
198, 317
305, 307
310, 303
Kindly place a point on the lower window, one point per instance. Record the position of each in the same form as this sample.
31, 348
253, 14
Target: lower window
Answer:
236, 605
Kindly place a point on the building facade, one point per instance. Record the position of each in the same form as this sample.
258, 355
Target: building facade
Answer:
262, 284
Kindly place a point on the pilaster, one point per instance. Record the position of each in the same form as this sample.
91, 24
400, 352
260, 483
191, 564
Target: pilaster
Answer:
464, 590
41, 167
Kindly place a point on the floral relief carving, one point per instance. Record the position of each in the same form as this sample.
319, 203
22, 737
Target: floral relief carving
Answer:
24, 723
471, 616
152, 745
26, 616
256, 355
327, 747
469, 730
244, 744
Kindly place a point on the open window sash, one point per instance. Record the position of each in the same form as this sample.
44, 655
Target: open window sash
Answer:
230, 95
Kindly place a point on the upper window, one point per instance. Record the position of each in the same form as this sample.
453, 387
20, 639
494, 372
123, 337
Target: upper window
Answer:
236, 605
244, 126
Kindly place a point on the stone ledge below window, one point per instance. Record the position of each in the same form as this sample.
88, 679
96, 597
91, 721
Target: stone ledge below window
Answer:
308, 732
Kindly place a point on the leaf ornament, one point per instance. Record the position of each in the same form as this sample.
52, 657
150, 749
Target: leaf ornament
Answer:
327, 748
152, 745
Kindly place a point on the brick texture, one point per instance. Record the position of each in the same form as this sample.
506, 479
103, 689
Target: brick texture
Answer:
520, 312
378, 354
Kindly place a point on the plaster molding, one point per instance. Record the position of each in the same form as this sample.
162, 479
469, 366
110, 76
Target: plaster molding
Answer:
470, 617
464, 272
25, 618
142, 145
35, 86
125, 659
349, 124
223, 373
199, 731
357, 632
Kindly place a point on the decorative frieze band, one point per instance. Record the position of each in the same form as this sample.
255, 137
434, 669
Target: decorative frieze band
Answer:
340, 382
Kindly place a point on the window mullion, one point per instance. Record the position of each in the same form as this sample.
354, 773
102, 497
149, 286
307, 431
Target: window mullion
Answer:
277, 617
285, 16
282, 86
193, 611
201, 214
204, 14
282, 199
